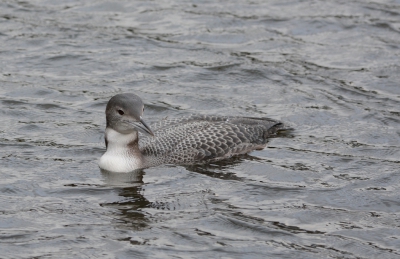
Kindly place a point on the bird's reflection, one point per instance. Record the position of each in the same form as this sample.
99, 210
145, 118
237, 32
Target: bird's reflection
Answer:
134, 178
131, 203
129, 187
219, 169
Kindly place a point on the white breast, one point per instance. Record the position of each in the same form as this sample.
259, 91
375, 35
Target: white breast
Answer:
119, 163
119, 157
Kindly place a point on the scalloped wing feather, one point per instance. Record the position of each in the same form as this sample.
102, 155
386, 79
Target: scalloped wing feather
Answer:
202, 138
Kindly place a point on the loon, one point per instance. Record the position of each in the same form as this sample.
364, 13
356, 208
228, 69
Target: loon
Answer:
194, 139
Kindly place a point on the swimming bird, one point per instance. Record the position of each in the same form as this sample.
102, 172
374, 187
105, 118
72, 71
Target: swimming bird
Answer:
193, 139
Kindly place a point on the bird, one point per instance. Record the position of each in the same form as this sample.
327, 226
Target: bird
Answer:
187, 140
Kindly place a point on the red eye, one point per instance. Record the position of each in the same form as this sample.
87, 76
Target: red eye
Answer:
121, 112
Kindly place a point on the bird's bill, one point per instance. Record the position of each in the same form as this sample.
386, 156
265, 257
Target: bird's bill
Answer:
143, 127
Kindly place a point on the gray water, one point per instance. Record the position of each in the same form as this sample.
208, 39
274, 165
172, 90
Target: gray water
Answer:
330, 69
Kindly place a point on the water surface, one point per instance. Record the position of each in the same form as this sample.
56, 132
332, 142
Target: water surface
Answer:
329, 69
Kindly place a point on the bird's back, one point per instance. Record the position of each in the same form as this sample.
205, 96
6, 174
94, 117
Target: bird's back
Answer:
202, 138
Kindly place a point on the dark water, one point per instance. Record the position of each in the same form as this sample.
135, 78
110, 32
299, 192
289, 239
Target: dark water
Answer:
329, 68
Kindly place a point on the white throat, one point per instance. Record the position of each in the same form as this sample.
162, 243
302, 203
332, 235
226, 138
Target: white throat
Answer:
123, 154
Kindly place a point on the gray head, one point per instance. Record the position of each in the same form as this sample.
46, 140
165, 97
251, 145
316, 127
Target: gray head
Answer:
124, 114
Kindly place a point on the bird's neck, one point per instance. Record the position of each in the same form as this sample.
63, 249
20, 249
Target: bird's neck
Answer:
117, 142
123, 154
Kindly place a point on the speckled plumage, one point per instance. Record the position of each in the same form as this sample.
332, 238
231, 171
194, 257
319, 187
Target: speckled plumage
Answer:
201, 138
193, 139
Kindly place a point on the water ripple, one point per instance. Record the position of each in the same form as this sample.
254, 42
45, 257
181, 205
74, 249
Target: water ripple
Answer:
330, 70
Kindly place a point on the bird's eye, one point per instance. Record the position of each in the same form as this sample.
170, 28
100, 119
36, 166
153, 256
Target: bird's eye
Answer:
121, 112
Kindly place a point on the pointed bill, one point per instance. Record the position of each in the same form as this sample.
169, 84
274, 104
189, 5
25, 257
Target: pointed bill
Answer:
143, 127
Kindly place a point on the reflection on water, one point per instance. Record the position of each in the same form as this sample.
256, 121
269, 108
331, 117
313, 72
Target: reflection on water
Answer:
330, 70
134, 178
132, 201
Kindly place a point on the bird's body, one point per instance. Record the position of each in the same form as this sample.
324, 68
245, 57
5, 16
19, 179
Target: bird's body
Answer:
188, 140
201, 139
